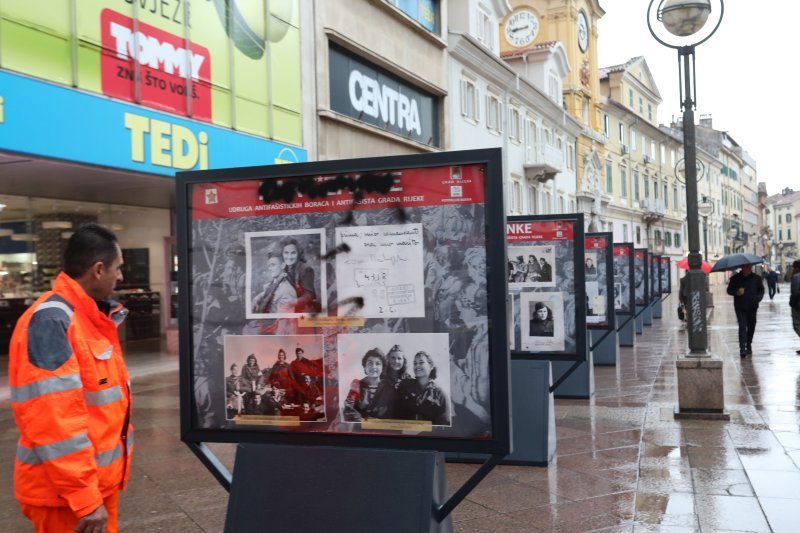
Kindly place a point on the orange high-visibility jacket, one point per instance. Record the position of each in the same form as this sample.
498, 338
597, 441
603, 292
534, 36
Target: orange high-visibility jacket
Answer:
71, 396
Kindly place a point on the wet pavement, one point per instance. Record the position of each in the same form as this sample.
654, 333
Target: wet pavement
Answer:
623, 463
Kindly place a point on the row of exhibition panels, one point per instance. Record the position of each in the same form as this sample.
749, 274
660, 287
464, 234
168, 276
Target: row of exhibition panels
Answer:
368, 319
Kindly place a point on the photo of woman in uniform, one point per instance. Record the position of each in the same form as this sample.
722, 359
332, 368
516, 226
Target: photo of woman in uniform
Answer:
541, 325
286, 275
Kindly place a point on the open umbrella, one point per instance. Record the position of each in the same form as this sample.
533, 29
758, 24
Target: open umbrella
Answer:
734, 261
683, 264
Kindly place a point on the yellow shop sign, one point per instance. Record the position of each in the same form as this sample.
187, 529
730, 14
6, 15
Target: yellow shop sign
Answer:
171, 145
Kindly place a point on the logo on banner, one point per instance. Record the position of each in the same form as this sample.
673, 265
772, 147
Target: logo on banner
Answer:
211, 196
167, 70
456, 191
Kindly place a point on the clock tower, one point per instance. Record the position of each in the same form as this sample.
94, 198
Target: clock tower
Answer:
573, 23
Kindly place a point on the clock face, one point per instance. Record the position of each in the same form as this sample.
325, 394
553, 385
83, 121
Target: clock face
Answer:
583, 31
521, 28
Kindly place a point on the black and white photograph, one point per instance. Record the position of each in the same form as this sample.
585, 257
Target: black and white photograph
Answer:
388, 377
655, 277
385, 267
638, 280
665, 266
621, 283
531, 266
274, 378
542, 319
590, 263
595, 303
285, 273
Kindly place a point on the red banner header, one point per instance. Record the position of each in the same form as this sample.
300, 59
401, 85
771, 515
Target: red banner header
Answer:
552, 230
414, 187
621, 251
595, 243
639, 254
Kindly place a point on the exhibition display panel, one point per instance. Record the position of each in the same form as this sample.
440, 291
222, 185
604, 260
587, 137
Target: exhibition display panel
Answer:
347, 303
546, 289
598, 270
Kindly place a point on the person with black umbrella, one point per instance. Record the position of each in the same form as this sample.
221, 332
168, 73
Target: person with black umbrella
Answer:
747, 290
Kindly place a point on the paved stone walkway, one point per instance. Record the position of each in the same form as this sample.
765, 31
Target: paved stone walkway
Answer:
623, 463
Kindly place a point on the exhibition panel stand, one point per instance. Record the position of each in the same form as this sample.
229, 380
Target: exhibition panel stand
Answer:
647, 314
600, 315
335, 323
624, 294
548, 294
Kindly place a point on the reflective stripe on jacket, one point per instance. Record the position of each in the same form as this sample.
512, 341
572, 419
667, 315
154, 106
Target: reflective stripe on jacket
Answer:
71, 398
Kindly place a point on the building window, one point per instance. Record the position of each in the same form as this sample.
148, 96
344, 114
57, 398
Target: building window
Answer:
663, 154
494, 113
516, 195
635, 184
789, 234
668, 238
678, 240
554, 87
621, 133
561, 205
657, 236
666, 196
532, 204
531, 139
655, 189
652, 149
675, 198
788, 217
780, 235
585, 111
633, 140
609, 178
486, 28
672, 157
571, 157
630, 98
650, 112
624, 233
646, 187
623, 182
638, 235
469, 99
514, 124
641, 106
606, 126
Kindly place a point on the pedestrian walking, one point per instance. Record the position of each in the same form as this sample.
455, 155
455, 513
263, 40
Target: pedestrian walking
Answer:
70, 393
747, 290
772, 281
794, 299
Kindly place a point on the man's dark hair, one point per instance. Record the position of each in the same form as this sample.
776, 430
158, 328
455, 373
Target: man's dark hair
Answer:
796, 264
89, 244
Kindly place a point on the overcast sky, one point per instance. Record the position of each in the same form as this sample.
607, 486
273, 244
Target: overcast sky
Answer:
745, 76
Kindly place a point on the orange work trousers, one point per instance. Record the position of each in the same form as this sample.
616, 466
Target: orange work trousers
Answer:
63, 520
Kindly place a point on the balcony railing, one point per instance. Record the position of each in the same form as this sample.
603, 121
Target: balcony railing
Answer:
653, 208
543, 162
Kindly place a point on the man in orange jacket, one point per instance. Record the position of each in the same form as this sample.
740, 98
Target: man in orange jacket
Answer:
70, 393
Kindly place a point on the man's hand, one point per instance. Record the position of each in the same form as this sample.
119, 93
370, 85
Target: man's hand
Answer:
740, 292
94, 522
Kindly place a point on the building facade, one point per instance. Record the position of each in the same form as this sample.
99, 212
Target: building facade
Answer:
102, 102
371, 95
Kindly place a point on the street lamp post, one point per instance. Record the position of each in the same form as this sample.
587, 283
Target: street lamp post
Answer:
705, 208
684, 19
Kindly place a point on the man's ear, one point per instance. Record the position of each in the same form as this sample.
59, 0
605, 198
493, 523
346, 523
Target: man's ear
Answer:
97, 269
